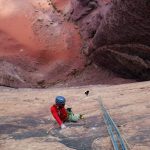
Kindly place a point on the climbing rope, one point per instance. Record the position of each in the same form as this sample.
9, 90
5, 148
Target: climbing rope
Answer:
116, 138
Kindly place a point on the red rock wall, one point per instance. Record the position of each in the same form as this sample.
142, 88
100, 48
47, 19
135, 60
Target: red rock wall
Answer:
37, 43
116, 32
41, 40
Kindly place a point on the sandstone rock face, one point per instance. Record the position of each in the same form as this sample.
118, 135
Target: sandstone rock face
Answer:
42, 42
41, 46
102, 144
116, 34
26, 123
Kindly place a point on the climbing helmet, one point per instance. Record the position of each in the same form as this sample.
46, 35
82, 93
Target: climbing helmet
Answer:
60, 100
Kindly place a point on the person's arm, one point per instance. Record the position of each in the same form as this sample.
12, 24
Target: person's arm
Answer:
55, 115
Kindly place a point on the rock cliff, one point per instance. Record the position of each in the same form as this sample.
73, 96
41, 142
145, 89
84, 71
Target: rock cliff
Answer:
45, 42
116, 34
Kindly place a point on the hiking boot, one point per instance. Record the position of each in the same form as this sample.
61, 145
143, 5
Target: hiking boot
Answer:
81, 116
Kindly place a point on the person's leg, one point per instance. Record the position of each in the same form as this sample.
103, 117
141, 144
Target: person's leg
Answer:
73, 117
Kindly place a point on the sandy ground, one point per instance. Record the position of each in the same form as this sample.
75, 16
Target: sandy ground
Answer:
25, 117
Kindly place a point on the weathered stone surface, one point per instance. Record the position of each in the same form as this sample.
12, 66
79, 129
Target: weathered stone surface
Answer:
130, 60
40, 45
25, 118
73, 131
102, 144
124, 22
113, 24
45, 45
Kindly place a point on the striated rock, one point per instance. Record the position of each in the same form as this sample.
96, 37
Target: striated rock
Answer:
124, 22
117, 35
10, 75
47, 39
130, 60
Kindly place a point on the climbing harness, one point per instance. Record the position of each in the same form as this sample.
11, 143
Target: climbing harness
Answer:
118, 142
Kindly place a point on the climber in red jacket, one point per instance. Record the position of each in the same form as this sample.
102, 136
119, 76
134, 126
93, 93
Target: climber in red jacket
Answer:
61, 114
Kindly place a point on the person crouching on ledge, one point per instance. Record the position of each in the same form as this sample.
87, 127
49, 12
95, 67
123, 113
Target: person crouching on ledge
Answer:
61, 114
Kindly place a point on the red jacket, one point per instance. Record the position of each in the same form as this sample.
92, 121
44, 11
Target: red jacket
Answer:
60, 114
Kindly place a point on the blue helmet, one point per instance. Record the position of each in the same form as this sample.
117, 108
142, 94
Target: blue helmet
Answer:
60, 100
